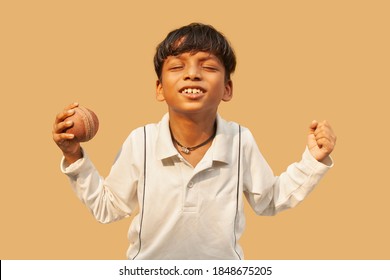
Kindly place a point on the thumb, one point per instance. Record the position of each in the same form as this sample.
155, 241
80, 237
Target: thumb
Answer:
311, 139
313, 126
312, 143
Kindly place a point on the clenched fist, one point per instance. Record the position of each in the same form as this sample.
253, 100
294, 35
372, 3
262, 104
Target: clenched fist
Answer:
321, 140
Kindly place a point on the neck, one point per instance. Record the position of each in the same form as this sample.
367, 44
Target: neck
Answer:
191, 130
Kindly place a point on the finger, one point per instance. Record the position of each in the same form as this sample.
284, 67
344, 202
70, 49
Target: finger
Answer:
62, 126
321, 141
63, 115
326, 137
59, 138
326, 132
322, 133
66, 112
71, 106
313, 126
325, 125
325, 145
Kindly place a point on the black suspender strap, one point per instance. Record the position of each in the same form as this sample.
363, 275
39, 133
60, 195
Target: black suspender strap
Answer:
143, 197
238, 188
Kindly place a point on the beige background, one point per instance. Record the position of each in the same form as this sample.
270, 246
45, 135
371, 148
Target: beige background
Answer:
297, 60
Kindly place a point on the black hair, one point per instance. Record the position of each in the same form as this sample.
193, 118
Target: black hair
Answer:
193, 38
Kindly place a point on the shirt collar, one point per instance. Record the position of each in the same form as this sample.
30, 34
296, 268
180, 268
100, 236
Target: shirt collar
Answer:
220, 148
223, 142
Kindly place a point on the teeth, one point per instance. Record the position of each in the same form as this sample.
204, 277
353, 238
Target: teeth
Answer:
192, 91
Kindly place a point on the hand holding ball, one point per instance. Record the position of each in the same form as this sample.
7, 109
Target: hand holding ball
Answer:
85, 124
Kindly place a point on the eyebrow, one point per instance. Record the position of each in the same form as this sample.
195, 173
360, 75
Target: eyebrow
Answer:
207, 56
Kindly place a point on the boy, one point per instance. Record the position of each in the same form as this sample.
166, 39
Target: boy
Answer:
189, 172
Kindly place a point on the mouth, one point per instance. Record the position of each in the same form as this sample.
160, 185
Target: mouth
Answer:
192, 92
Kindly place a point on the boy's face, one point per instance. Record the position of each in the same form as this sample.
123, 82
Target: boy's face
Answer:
193, 83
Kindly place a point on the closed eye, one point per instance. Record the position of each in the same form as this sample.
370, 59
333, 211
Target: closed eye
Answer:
210, 68
176, 67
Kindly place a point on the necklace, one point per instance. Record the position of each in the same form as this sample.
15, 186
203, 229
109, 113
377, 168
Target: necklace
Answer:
187, 150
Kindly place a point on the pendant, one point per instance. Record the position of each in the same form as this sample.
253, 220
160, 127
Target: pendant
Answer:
185, 150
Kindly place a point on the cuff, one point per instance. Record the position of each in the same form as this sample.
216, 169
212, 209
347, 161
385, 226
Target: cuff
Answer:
308, 158
76, 167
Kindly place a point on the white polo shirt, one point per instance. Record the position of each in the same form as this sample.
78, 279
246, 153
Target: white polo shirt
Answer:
186, 212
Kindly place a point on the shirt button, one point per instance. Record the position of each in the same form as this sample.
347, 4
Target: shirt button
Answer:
190, 184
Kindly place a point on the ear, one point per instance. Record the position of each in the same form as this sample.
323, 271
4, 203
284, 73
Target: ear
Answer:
228, 93
159, 91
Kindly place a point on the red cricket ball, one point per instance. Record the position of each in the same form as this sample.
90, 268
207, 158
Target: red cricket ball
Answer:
85, 124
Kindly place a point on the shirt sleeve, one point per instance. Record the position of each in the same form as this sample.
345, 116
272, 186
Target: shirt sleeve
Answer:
111, 198
269, 194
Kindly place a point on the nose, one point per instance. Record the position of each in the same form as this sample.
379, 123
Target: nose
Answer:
192, 73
